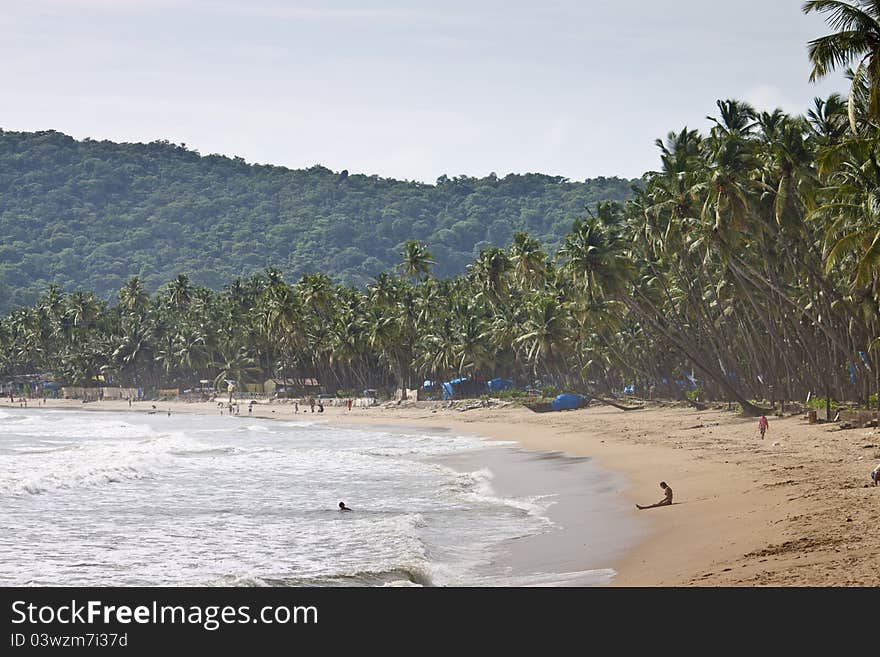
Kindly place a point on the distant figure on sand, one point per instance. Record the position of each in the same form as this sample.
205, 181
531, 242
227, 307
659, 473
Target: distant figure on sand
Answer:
296, 407
349, 404
320, 407
762, 425
875, 475
342, 507
312, 404
666, 501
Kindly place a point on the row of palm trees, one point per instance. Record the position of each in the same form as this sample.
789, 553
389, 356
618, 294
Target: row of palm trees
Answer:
747, 265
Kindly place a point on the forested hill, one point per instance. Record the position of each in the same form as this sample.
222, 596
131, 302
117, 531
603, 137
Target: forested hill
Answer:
90, 214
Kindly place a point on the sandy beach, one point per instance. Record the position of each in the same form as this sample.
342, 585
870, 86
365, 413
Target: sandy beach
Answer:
794, 509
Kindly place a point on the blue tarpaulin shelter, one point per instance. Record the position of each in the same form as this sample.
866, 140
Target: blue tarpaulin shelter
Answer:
567, 402
448, 390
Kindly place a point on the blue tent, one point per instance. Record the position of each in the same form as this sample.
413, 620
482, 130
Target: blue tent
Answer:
448, 391
567, 402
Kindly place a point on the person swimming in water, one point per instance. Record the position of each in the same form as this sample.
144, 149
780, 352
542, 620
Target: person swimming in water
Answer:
342, 507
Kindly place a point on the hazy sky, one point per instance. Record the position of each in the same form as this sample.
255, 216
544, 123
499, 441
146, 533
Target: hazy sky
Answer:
402, 89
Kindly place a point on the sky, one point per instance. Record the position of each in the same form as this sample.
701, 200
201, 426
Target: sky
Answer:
409, 90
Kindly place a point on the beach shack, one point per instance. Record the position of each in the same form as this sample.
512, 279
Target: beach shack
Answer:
29, 385
292, 387
462, 387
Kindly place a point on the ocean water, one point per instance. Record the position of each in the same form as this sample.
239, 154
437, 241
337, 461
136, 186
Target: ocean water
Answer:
127, 499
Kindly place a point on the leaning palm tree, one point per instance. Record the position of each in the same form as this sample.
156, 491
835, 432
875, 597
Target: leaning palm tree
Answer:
857, 37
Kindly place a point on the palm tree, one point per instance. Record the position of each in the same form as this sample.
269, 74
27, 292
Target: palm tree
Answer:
489, 271
546, 333
417, 260
828, 120
857, 37
133, 297
529, 259
593, 257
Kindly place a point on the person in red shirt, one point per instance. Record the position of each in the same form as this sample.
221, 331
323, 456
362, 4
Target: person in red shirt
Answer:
762, 425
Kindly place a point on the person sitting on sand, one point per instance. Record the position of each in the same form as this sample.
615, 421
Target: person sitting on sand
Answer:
342, 507
666, 501
875, 475
762, 425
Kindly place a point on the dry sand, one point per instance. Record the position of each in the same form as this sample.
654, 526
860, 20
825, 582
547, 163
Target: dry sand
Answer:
794, 509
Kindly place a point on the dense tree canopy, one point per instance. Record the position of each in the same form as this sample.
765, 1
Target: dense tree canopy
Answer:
747, 267
89, 215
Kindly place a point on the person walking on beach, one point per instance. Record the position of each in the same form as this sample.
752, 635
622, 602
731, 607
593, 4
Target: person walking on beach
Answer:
762, 425
312, 403
296, 407
349, 405
875, 475
666, 501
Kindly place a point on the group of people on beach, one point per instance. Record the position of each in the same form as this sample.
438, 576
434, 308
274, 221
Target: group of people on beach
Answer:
314, 406
311, 404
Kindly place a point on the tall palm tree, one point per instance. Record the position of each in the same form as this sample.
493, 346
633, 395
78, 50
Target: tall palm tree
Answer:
857, 37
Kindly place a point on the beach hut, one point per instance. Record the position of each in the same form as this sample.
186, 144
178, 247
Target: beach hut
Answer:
307, 386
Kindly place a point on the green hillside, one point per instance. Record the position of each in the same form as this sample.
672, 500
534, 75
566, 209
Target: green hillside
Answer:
89, 214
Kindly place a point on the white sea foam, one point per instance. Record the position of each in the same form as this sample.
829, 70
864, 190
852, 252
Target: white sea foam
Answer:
94, 498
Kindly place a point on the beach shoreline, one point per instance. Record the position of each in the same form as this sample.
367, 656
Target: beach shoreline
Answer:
794, 509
